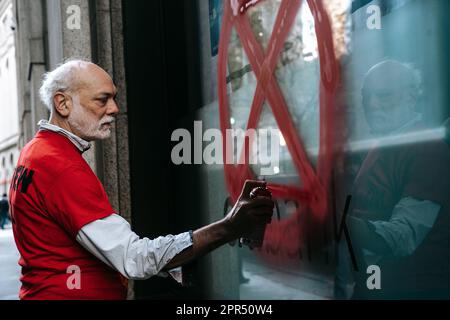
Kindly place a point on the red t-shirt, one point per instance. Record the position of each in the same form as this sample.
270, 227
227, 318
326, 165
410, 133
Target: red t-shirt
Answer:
53, 194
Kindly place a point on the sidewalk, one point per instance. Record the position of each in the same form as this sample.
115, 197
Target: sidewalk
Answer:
9, 267
267, 283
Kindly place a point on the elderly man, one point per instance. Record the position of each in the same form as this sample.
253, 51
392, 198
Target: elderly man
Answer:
62, 220
400, 219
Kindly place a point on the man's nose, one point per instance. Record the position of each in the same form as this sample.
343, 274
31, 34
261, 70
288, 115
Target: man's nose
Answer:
113, 108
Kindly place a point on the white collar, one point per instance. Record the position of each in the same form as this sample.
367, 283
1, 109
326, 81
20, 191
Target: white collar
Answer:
81, 144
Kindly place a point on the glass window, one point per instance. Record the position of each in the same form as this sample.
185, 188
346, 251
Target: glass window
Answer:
357, 94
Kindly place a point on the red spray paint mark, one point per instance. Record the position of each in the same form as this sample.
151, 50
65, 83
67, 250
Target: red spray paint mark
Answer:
313, 195
241, 6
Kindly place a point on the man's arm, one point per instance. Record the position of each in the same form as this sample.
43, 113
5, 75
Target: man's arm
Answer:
245, 216
112, 241
204, 240
408, 226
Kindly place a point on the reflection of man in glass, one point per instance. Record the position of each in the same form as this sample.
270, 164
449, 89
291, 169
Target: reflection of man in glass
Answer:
390, 92
400, 215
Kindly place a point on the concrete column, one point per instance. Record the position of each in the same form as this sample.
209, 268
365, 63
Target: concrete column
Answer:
122, 146
36, 66
114, 155
31, 59
108, 154
21, 9
76, 43
54, 33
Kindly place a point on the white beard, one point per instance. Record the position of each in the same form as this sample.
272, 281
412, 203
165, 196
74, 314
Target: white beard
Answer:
88, 127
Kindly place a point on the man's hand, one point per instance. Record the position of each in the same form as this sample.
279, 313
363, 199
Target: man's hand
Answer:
253, 209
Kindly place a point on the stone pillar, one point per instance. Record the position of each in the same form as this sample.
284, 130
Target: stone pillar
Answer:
76, 43
54, 34
31, 66
114, 155
109, 55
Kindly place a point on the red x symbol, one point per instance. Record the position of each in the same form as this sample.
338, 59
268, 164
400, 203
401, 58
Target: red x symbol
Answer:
314, 191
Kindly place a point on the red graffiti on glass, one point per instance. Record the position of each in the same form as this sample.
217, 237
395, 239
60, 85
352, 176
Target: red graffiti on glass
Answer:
241, 6
313, 195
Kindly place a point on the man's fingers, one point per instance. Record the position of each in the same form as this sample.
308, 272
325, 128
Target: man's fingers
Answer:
261, 216
260, 202
250, 185
259, 191
262, 210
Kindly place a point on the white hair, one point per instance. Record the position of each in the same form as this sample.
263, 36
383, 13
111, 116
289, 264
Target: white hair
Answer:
60, 79
414, 75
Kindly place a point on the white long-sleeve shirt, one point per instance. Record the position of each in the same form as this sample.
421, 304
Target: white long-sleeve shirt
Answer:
112, 241
410, 223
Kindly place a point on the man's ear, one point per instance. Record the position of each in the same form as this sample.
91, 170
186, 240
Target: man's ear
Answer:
62, 103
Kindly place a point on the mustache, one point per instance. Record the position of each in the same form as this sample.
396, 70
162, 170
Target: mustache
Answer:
107, 120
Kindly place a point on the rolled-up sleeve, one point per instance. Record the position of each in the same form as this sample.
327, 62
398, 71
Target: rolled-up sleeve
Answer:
410, 223
112, 241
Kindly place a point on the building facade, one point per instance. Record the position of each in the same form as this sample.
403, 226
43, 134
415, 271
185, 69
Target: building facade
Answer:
9, 123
